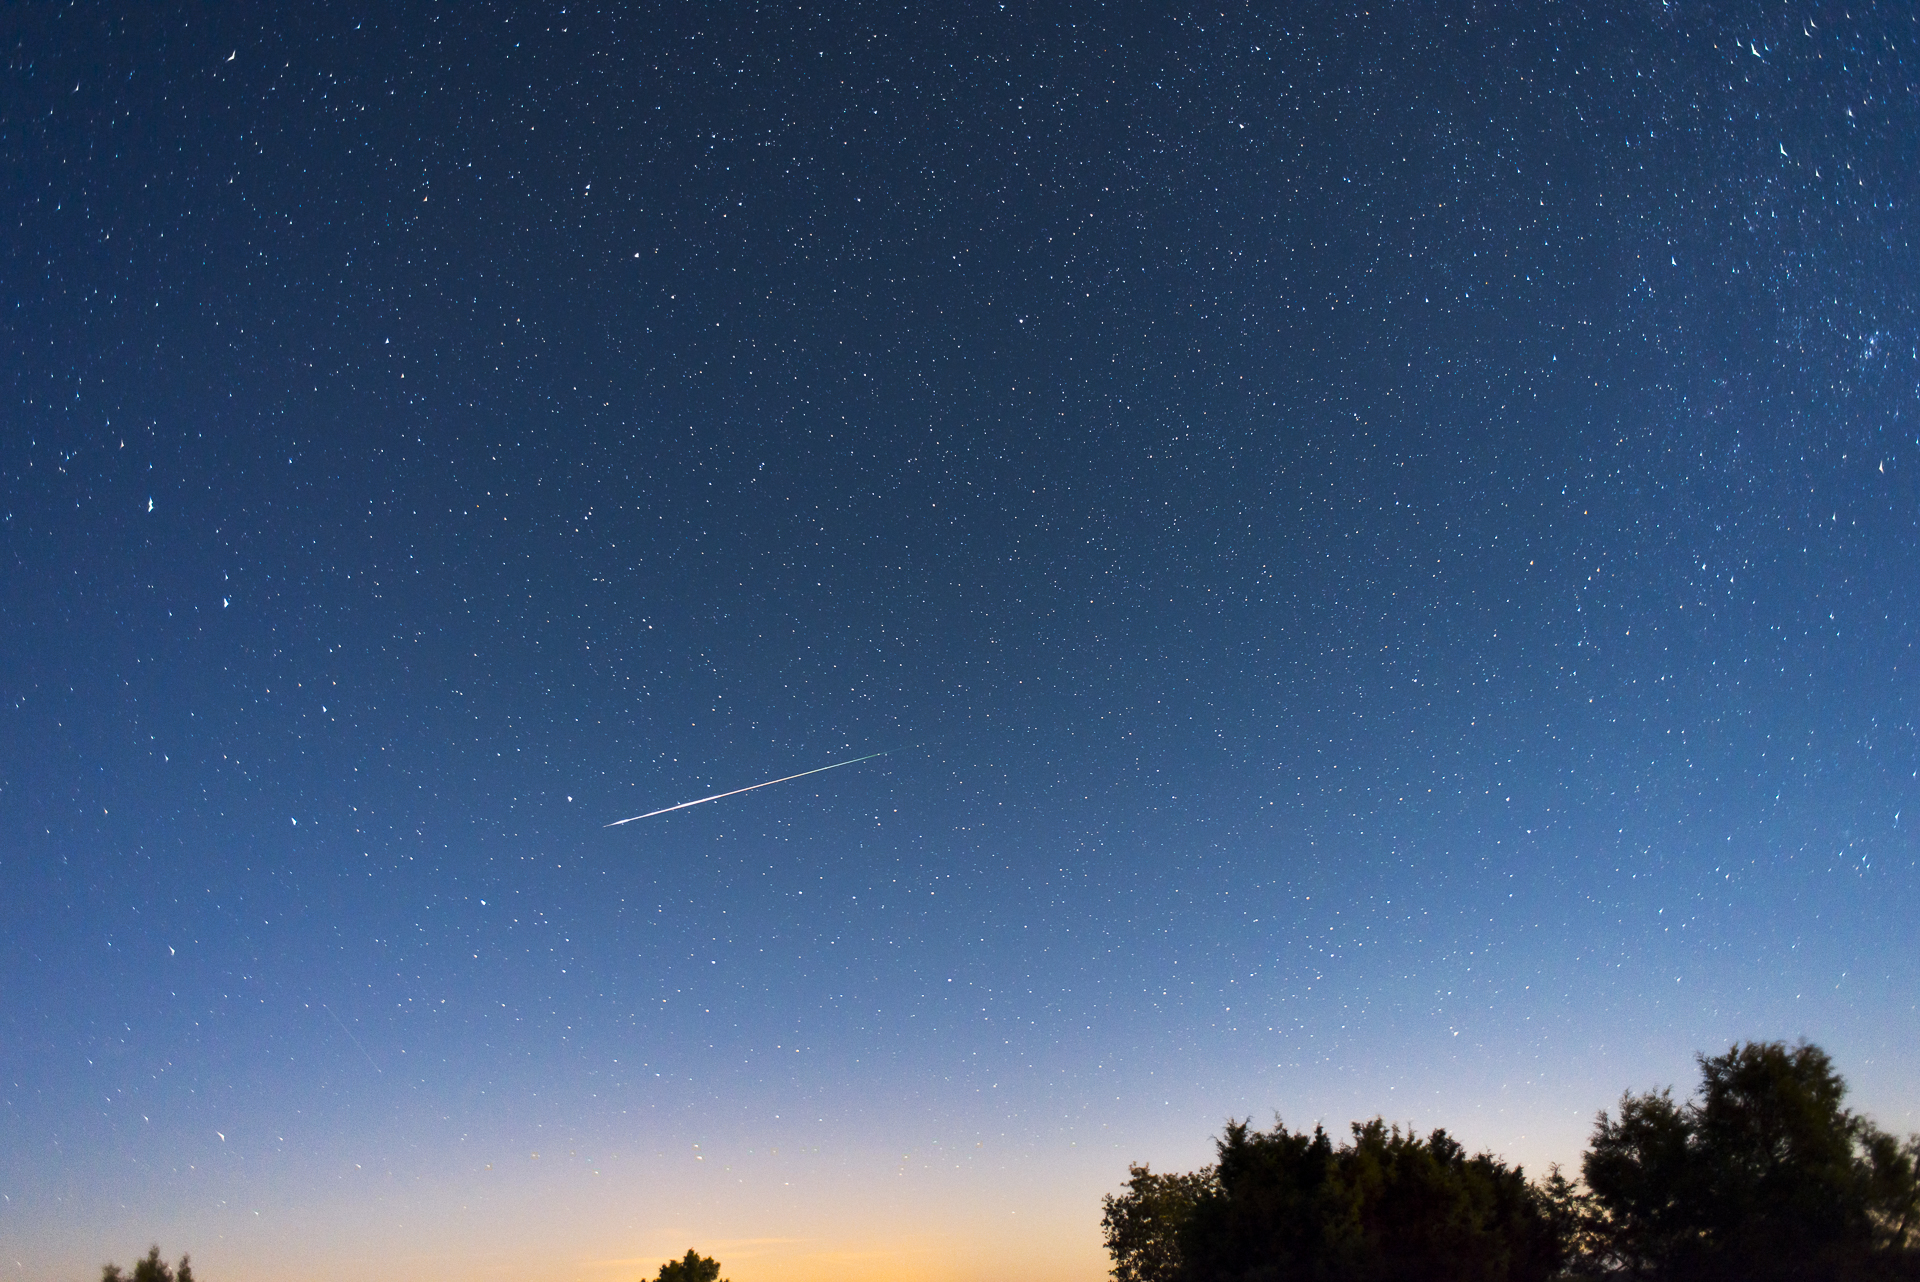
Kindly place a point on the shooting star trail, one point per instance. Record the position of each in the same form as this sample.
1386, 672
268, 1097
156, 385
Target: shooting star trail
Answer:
350, 1036
737, 791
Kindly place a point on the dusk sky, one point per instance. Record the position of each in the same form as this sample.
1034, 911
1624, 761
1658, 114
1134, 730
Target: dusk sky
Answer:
1381, 546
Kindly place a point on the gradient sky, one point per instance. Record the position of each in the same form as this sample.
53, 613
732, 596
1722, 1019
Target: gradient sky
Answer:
1381, 547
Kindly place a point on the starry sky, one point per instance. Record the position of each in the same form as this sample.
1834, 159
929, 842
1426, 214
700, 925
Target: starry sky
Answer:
1379, 546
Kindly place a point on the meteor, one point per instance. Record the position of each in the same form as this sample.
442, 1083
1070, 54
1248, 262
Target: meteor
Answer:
737, 791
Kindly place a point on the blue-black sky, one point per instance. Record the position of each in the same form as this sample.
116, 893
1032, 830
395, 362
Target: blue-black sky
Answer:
1380, 546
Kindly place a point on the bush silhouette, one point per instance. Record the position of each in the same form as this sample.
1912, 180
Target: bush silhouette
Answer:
151, 1269
693, 1267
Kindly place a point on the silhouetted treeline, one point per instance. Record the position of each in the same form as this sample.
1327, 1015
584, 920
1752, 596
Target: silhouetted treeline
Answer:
1763, 1176
693, 1267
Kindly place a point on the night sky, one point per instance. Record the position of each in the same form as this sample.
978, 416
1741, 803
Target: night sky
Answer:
1382, 549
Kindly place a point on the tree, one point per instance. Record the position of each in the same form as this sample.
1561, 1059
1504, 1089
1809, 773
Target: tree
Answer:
694, 1267
1640, 1170
1388, 1205
151, 1269
1143, 1225
1764, 1176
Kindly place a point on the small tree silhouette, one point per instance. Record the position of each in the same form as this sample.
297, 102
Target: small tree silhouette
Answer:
693, 1267
151, 1269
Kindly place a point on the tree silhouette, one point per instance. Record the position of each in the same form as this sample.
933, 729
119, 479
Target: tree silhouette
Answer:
151, 1269
1143, 1225
1764, 1176
1390, 1206
693, 1267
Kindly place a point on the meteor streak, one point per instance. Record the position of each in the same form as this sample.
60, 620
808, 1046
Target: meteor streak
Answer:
737, 791
350, 1037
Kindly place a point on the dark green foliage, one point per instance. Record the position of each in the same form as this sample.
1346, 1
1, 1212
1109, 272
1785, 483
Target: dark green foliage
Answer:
1640, 1169
693, 1268
1764, 1176
151, 1269
1143, 1225
1389, 1205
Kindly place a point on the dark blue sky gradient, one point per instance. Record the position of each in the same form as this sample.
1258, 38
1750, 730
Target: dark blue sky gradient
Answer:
1380, 546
